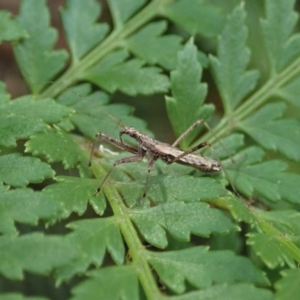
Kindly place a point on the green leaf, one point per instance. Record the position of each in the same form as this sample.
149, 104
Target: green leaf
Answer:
268, 178
186, 104
122, 10
35, 57
282, 226
92, 238
108, 283
82, 33
185, 188
288, 286
24, 116
237, 207
229, 67
25, 206
19, 171
227, 146
270, 250
55, 146
202, 268
94, 114
195, 16
150, 45
10, 30
289, 187
46, 109
168, 186
43, 254
272, 132
228, 292
282, 47
14, 127
287, 221
116, 226
180, 220
15, 296
129, 77
73, 194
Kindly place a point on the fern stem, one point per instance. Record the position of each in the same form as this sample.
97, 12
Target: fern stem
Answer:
115, 40
266, 91
136, 248
139, 261
232, 121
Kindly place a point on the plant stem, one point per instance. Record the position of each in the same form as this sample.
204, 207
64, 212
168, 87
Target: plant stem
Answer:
115, 40
136, 248
133, 242
269, 89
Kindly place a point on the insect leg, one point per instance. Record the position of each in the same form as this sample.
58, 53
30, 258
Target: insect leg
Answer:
191, 128
125, 160
138, 154
150, 165
201, 145
118, 143
112, 141
183, 135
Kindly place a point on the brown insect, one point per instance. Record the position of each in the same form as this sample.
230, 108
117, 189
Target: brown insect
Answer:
156, 149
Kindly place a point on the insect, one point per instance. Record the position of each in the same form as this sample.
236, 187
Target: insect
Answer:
156, 149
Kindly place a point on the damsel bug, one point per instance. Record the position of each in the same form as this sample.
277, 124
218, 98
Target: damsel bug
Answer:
155, 149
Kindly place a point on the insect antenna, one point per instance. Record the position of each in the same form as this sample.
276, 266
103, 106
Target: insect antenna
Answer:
93, 149
118, 122
216, 156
